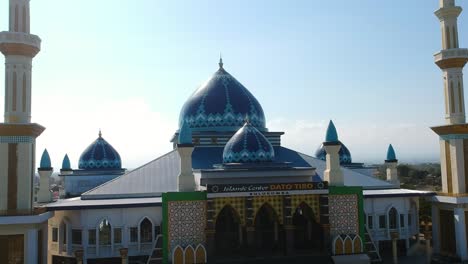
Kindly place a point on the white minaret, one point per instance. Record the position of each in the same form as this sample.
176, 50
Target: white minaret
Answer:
392, 167
45, 172
332, 145
17, 134
451, 60
186, 179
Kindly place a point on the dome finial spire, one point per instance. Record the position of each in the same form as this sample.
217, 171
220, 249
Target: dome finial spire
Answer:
247, 119
100, 133
220, 61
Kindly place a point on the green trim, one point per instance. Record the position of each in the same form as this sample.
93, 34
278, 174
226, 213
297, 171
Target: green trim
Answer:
337, 190
169, 197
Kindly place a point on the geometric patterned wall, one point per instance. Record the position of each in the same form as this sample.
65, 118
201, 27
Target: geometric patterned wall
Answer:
343, 214
186, 223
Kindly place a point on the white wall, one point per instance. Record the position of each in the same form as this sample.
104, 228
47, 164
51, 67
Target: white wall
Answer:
87, 219
376, 207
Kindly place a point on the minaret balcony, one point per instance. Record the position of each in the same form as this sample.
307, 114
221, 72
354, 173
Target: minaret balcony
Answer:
18, 43
451, 58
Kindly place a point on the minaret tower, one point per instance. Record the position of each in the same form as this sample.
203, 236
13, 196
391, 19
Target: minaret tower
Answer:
17, 133
451, 60
448, 208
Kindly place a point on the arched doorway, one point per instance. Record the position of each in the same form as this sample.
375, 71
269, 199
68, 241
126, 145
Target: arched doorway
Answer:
228, 232
308, 234
266, 229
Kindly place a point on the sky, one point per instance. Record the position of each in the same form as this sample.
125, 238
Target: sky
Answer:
128, 66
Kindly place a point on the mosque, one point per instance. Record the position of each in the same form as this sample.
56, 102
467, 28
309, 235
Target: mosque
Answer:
229, 191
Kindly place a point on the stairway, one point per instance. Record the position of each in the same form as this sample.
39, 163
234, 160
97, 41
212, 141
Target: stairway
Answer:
156, 256
371, 249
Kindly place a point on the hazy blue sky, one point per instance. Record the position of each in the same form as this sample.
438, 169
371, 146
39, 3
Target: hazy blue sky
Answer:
128, 66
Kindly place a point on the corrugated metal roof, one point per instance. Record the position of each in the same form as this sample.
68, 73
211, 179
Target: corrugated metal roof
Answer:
352, 178
396, 193
149, 180
160, 175
73, 203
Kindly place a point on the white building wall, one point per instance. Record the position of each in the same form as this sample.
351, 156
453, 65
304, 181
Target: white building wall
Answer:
85, 220
405, 206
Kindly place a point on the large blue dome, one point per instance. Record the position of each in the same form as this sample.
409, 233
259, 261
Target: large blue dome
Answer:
221, 104
345, 155
248, 145
100, 155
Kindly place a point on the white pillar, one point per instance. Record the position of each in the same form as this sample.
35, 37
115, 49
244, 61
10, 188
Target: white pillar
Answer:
460, 233
435, 229
333, 173
31, 247
186, 178
392, 172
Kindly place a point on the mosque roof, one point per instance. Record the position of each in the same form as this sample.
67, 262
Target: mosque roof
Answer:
160, 175
100, 155
66, 163
221, 104
248, 145
45, 160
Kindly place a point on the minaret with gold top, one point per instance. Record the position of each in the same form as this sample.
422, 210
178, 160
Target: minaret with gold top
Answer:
448, 213
17, 133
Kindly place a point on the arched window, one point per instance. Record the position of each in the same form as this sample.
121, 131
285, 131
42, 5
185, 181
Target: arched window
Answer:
393, 218
146, 231
104, 232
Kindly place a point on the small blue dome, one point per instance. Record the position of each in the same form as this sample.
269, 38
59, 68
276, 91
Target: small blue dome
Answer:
45, 160
248, 145
221, 104
185, 134
332, 135
66, 163
391, 153
345, 155
100, 155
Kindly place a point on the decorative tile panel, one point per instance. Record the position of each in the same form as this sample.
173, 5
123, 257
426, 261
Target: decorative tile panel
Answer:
186, 223
16, 139
344, 214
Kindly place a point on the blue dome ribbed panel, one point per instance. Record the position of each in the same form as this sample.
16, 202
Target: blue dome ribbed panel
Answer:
345, 155
100, 155
221, 104
45, 159
248, 145
66, 163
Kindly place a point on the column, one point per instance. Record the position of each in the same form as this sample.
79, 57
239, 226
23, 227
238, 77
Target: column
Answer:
458, 165
79, 256
460, 233
435, 229
124, 255
31, 247
289, 229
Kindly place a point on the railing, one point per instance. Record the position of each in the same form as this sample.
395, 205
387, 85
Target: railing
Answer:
24, 212
450, 53
19, 37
